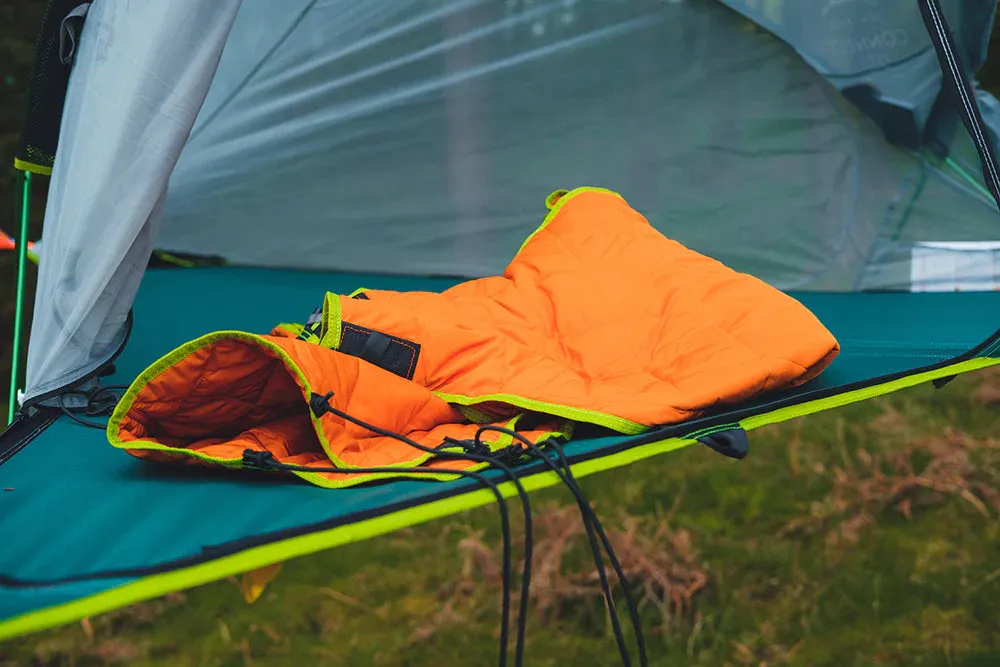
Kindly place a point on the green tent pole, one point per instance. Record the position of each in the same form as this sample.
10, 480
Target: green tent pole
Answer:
22, 261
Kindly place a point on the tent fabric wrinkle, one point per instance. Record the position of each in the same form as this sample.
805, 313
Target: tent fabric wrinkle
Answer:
140, 73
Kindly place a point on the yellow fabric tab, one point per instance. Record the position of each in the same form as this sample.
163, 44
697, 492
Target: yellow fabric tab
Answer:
291, 327
551, 200
253, 582
329, 334
564, 432
21, 165
474, 415
506, 439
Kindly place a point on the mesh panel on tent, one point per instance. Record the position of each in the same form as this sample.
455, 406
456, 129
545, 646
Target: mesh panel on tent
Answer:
315, 138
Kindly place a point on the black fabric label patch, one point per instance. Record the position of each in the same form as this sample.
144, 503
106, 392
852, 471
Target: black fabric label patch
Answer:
394, 354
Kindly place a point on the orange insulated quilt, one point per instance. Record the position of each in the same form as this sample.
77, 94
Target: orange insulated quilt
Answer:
598, 319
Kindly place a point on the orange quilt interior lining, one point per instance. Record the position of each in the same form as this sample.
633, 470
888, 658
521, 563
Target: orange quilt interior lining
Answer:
227, 397
222, 399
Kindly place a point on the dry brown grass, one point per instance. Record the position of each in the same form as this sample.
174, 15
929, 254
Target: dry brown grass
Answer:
763, 650
988, 391
103, 639
927, 472
660, 562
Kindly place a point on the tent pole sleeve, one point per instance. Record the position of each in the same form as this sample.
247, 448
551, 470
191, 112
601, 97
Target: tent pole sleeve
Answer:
22, 261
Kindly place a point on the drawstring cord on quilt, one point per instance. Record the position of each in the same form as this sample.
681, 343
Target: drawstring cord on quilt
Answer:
320, 404
591, 525
264, 460
99, 402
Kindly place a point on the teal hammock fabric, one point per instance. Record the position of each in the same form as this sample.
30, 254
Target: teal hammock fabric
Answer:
82, 518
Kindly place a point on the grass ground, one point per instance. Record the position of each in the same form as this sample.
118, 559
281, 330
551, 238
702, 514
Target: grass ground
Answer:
863, 536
